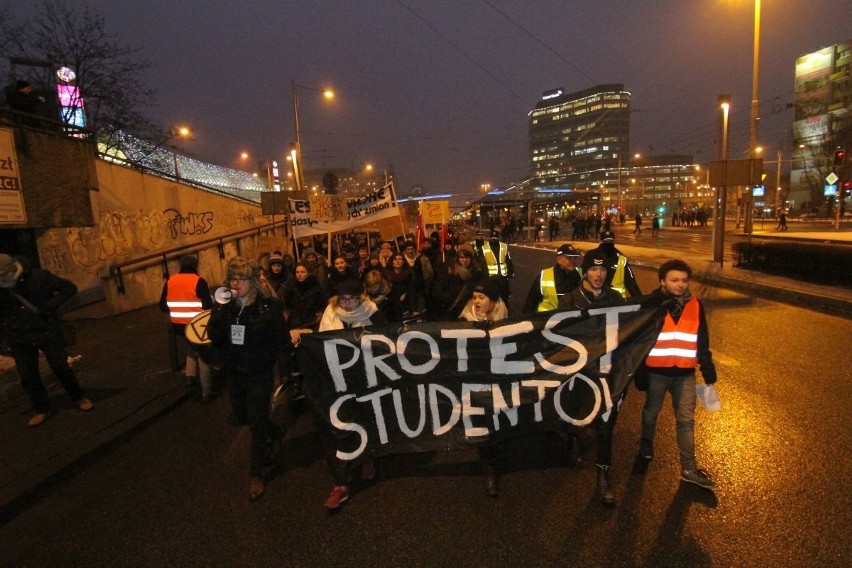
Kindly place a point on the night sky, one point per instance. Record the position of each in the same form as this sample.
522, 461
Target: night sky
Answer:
440, 91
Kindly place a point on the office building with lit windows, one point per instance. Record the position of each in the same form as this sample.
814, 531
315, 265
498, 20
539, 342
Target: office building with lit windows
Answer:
822, 125
582, 133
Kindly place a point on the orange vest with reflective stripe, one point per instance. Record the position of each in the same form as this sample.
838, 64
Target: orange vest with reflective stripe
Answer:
677, 344
181, 299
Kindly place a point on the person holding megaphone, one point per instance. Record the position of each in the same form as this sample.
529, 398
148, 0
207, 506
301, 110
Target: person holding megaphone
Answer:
248, 327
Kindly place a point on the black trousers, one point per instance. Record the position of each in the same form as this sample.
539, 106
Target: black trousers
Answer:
250, 396
26, 361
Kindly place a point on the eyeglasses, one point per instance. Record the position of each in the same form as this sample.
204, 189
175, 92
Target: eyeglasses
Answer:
348, 299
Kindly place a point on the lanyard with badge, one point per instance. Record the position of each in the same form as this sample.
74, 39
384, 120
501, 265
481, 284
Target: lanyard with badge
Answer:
238, 332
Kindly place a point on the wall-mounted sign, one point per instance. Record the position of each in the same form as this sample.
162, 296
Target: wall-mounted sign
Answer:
12, 211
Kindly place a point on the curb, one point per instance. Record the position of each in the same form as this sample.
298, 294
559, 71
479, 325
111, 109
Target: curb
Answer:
25, 491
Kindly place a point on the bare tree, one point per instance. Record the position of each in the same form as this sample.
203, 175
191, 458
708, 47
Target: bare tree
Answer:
109, 73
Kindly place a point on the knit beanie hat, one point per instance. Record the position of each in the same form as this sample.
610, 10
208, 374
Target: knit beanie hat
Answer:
490, 287
594, 258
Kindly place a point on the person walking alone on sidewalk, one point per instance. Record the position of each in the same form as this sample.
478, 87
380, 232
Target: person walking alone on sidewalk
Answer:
782, 222
31, 321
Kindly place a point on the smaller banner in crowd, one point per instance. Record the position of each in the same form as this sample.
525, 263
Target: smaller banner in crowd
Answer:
442, 385
435, 212
342, 216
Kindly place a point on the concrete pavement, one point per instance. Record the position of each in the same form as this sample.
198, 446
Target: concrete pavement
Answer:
124, 367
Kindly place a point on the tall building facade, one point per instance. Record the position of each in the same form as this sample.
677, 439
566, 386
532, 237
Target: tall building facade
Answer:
578, 133
822, 124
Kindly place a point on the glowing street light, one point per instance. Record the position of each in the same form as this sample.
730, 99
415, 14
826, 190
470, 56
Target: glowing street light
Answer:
326, 93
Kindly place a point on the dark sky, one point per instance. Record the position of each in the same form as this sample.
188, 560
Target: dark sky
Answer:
441, 90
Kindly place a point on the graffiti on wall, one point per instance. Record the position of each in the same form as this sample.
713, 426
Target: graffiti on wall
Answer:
118, 234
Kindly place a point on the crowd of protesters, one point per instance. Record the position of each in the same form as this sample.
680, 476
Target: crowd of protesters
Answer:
265, 306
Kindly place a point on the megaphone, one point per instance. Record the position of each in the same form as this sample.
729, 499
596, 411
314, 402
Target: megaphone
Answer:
223, 295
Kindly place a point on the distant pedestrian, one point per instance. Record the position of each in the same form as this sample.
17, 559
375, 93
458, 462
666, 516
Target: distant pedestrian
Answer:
683, 344
31, 321
782, 222
655, 225
637, 220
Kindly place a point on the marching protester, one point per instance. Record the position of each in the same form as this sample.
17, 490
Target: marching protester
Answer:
619, 273
349, 308
31, 321
554, 281
304, 302
249, 330
402, 296
424, 275
486, 305
184, 296
316, 265
378, 288
278, 274
683, 344
340, 272
593, 293
454, 284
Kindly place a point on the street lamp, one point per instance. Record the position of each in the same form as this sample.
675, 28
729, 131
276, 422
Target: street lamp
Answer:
328, 94
179, 133
721, 202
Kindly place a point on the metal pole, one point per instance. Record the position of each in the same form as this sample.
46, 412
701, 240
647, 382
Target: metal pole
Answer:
300, 181
722, 191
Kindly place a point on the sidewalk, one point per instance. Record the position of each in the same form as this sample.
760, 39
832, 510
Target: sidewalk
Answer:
124, 367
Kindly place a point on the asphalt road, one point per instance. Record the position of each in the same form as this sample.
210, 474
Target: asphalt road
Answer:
176, 494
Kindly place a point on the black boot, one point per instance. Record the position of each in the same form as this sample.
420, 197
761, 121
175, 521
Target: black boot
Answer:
491, 482
604, 485
574, 458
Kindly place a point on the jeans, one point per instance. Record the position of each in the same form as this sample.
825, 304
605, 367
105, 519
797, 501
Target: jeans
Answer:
682, 389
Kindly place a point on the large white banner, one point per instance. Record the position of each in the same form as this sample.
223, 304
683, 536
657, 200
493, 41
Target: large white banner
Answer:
12, 210
379, 204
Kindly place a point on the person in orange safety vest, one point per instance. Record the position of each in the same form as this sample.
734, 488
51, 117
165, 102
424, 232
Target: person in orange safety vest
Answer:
682, 345
184, 296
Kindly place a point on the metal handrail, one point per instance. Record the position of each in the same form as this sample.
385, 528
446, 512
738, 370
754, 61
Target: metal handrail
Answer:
115, 270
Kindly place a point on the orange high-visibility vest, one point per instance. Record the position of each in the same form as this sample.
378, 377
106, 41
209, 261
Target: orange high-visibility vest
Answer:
677, 344
181, 299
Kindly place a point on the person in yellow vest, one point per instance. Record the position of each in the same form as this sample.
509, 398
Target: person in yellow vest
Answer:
496, 259
683, 344
619, 273
554, 281
184, 296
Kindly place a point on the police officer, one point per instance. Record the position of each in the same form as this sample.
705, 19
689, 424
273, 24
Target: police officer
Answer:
619, 274
554, 281
497, 260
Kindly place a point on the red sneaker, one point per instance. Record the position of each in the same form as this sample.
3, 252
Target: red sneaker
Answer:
339, 494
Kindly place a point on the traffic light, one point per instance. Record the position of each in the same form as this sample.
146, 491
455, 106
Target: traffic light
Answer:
839, 156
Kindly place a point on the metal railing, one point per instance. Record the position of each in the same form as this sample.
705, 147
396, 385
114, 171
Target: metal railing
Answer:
163, 257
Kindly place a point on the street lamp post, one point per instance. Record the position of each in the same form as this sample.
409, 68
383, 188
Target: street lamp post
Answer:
180, 133
299, 168
721, 201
